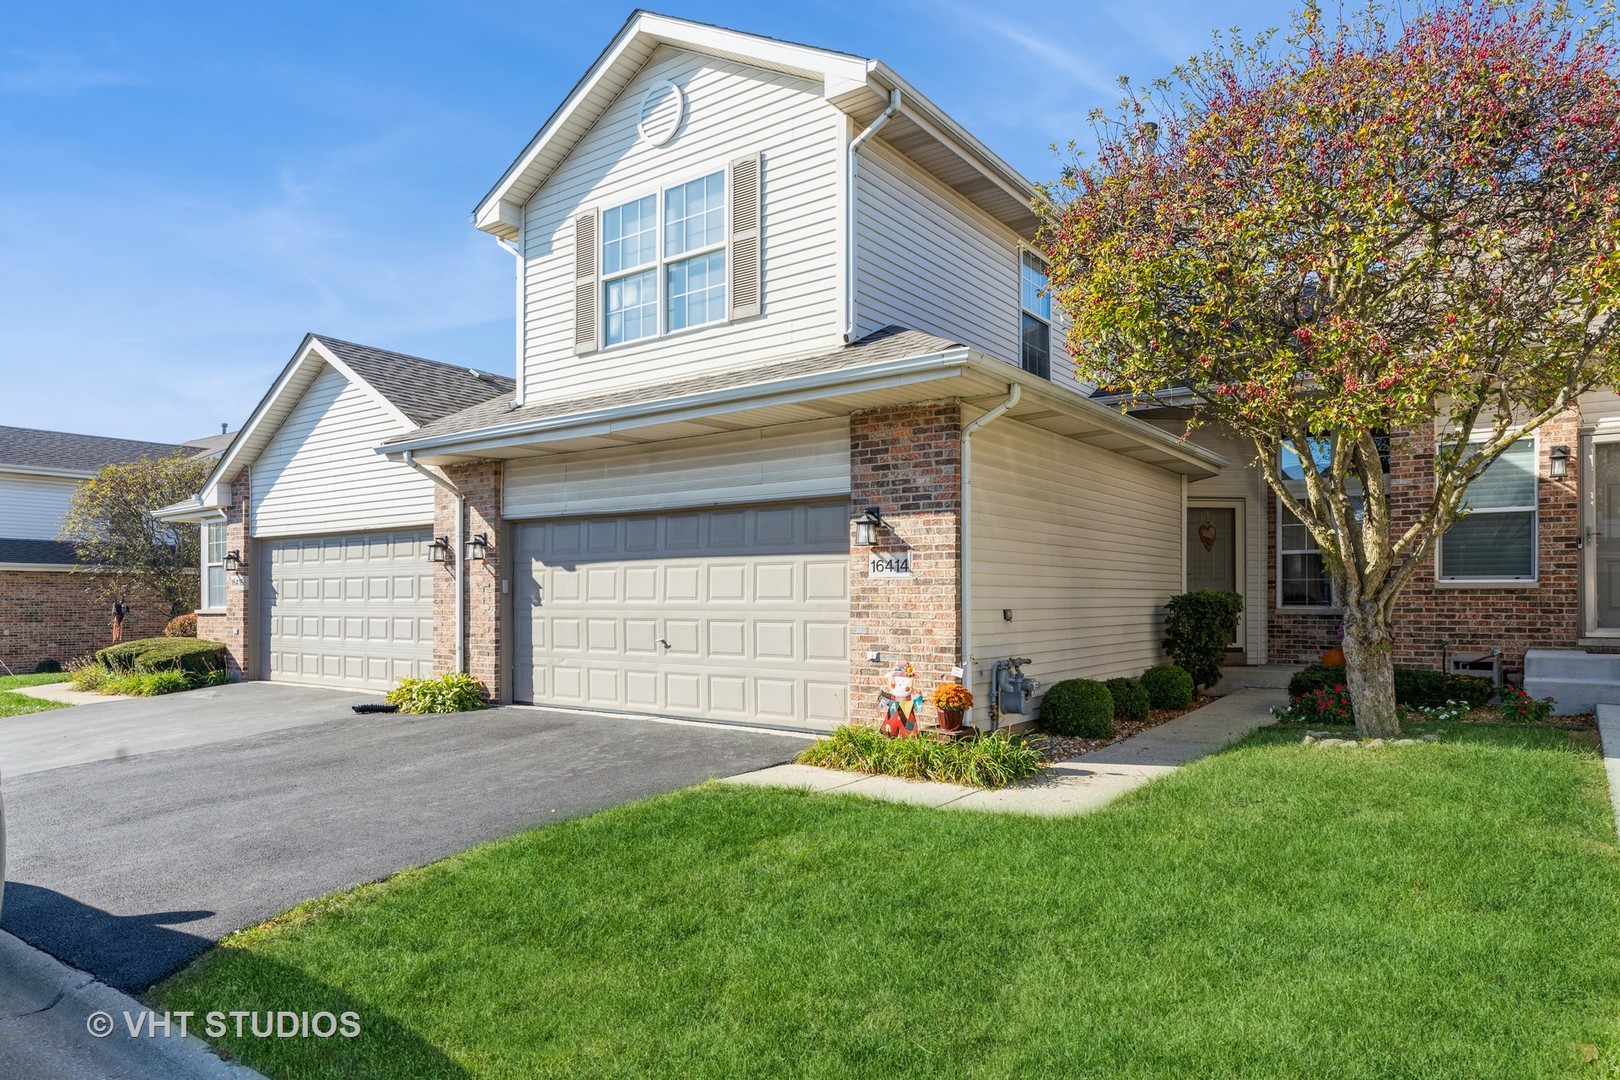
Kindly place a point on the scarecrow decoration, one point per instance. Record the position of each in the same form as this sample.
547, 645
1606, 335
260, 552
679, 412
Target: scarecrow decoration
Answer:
898, 704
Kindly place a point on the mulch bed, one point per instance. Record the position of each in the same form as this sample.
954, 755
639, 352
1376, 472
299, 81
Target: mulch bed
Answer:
1065, 748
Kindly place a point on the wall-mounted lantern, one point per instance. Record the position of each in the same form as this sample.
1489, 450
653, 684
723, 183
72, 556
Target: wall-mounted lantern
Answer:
867, 523
439, 550
234, 563
478, 548
1558, 462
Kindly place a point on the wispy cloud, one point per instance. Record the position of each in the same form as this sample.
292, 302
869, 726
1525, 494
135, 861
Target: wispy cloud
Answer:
58, 75
1047, 51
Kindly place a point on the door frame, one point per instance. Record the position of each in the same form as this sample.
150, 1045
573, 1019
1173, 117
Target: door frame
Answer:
1586, 485
1240, 550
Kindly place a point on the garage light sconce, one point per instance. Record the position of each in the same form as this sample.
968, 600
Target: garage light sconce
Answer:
234, 563
867, 524
478, 547
439, 550
1558, 462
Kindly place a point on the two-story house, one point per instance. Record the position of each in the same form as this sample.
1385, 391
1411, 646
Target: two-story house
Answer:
790, 407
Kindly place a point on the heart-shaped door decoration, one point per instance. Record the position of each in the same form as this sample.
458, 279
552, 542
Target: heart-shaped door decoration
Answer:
1207, 534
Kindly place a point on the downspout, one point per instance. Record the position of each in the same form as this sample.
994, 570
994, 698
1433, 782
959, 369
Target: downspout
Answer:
849, 211
455, 554
1014, 392
522, 343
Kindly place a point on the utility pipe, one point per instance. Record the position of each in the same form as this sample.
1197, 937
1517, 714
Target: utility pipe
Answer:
849, 211
455, 554
1014, 392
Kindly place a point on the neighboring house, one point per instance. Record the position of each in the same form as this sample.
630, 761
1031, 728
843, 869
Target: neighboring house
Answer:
762, 287
49, 610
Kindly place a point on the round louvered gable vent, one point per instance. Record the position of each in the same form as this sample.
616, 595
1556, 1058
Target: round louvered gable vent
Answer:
662, 111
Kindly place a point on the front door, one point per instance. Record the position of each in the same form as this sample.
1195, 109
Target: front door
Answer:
1602, 536
1215, 555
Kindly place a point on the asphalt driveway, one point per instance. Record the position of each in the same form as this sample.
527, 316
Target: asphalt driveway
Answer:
131, 866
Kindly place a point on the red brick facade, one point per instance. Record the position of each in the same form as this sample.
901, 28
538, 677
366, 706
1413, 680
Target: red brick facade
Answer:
1461, 620
62, 616
907, 462
233, 627
480, 483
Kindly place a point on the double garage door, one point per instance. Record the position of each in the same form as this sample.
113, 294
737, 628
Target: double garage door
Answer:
354, 610
733, 614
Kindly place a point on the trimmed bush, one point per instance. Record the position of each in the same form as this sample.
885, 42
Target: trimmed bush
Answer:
1130, 700
456, 692
190, 656
1168, 686
48, 667
1198, 626
988, 761
1081, 708
182, 626
1416, 687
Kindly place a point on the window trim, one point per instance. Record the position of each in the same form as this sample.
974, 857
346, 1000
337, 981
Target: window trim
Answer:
1318, 609
661, 260
1534, 510
1025, 251
207, 565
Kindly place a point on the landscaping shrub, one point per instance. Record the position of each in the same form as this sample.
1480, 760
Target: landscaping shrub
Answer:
1081, 708
1518, 707
988, 761
1130, 700
1198, 626
1415, 687
47, 667
88, 675
1168, 686
1328, 705
182, 626
456, 692
147, 683
190, 656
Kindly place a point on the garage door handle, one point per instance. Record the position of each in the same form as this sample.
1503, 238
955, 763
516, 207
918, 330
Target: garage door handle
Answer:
664, 643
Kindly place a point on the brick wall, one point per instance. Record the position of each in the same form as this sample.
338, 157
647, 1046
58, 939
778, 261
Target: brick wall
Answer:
61, 616
480, 483
907, 462
234, 627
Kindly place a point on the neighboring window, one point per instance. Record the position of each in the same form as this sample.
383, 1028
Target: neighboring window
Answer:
1497, 540
214, 564
1292, 468
1036, 318
1302, 577
660, 279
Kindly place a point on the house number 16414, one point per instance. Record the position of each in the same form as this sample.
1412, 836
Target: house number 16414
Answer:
897, 564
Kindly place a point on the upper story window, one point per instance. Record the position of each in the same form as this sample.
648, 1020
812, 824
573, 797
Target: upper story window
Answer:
1497, 540
213, 565
660, 279
1036, 316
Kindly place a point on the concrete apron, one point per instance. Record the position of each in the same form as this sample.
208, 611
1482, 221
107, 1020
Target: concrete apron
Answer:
1069, 787
1608, 721
53, 1019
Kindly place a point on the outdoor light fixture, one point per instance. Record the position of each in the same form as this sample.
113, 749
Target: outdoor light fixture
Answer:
867, 524
234, 563
478, 548
1558, 462
439, 550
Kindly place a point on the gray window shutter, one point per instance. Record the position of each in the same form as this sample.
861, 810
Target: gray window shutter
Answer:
743, 257
587, 298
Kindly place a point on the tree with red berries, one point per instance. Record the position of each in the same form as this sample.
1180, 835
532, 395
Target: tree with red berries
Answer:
1352, 230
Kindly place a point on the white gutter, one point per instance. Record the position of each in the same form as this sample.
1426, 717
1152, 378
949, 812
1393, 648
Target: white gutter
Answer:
849, 211
1014, 392
455, 553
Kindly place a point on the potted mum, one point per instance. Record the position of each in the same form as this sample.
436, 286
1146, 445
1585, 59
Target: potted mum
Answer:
951, 700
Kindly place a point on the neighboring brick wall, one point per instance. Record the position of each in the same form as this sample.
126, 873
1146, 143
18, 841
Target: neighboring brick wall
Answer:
61, 616
906, 461
235, 628
480, 483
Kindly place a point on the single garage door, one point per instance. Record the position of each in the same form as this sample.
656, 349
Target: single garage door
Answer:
354, 610
733, 614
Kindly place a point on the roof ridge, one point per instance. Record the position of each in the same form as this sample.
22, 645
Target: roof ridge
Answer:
330, 340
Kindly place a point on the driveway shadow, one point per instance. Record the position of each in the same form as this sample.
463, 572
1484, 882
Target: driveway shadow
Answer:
128, 952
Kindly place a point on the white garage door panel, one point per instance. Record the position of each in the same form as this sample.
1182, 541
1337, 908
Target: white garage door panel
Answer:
735, 614
352, 610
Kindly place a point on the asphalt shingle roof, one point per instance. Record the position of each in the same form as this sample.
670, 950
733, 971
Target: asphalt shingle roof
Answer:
50, 552
424, 390
889, 343
33, 448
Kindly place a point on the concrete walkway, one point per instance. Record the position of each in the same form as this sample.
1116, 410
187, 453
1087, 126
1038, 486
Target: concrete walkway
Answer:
1608, 721
64, 693
1069, 787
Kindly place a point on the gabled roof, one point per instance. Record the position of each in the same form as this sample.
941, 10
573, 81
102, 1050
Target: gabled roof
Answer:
36, 552
62, 453
210, 445
858, 86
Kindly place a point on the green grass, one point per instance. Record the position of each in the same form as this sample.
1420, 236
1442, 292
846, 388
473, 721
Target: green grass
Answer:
1447, 909
18, 704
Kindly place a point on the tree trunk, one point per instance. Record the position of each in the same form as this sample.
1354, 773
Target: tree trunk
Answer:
1369, 671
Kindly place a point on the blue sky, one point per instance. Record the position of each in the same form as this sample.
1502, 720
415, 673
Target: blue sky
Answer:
185, 189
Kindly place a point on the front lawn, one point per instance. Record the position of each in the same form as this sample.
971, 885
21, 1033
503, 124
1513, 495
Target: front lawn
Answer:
1447, 909
16, 704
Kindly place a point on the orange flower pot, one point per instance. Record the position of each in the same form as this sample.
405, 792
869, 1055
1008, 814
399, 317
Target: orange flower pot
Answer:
950, 719
1333, 656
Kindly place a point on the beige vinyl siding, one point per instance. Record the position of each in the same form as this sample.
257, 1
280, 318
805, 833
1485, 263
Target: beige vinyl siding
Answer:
320, 472
793, 461
1600, 412
1082, 545
33, 507
733, 110
929, 260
